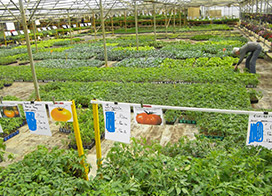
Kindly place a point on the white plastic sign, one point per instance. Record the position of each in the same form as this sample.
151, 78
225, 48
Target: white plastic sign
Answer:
64, 26
22, 32
74, 25
89, 24
49, 28
54, 27
39, 29
15, 33
36, 118
37, 22
9, 111
260, 130
148, 115
44, 28
10, 26
117, 122
82, 25
7, 33
1, 130
61, 112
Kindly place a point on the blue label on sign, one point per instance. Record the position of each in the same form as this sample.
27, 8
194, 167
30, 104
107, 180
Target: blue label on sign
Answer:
31, 121
256, 132
110, 121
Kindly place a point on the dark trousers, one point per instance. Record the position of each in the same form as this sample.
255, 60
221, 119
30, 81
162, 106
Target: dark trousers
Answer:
252, 58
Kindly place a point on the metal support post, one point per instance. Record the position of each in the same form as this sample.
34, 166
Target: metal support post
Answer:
103, 33
154, 21
36, 86
136, 24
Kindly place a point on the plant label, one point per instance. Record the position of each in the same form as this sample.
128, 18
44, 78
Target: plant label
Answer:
44, 28
117, 122
37, 22
61, 112
54, 27
89, 24
22, 32
1, 130
10, 26
260, 130
39, 29
9, 111
15, 33
64, 26
148, 115
36, 118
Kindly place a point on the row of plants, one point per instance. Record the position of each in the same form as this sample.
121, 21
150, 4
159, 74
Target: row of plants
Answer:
174, 74
258, 16
259, 30
68, 64
205, 95
188, 28
171, 63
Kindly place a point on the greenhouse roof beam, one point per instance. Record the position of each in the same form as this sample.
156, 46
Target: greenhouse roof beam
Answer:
35, 9
11, 12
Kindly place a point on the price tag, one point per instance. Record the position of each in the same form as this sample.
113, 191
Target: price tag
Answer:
260, 130
36, 117
117, 122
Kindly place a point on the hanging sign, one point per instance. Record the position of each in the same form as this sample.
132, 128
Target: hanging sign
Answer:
9, 111
61, 112
260, 130
148, 115
10, 26
36, 118
117, 122
37, 22
1, 130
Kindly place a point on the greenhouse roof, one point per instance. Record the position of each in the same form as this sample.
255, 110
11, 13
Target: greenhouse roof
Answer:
9, 9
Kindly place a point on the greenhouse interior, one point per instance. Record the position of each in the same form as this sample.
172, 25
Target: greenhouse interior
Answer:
136, 97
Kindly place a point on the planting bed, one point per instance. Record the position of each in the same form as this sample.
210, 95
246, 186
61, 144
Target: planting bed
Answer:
213, 160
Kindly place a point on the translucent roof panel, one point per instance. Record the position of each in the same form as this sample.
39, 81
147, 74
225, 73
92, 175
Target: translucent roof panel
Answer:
60, 8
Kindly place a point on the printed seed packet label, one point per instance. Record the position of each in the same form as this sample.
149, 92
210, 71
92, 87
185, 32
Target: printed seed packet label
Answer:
36, 118
61, 112
148, 115
1, 130
117, 122
260, 130
9, 111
